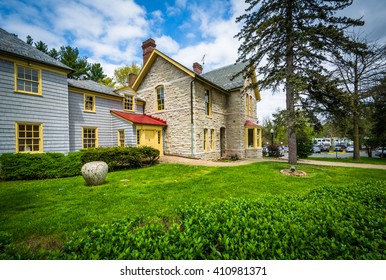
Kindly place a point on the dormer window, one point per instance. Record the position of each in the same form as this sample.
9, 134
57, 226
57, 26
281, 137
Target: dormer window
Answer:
128, 103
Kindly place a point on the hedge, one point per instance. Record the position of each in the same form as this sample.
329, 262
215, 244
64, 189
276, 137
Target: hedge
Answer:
25, 166
328, 223
121, 157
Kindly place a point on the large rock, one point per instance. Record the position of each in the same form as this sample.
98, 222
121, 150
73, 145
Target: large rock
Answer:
94, 173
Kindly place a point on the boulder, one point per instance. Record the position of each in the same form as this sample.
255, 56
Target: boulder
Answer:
94, 173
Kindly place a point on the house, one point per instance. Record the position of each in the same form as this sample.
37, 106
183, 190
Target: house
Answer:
167, 106
209, 115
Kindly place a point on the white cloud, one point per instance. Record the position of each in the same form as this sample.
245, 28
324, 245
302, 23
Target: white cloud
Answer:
167, 45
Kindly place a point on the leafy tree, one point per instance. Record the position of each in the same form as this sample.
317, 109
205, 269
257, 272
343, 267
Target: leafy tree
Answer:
70, 57
53, 53
357, 68
291, 36
121, 74
107, 82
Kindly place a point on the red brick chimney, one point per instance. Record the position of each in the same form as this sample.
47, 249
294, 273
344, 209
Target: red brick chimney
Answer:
197, 68
132, 78
147, 47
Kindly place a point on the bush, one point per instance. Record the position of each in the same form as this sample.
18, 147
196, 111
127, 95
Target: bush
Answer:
39, 166
327, 223
121, 157
304, 144
274, 151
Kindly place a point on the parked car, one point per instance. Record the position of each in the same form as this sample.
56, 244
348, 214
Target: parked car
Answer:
380, 152
316, 149
324, 148
350, 149
340, 148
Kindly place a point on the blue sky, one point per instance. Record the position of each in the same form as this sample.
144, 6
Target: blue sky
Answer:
111, 31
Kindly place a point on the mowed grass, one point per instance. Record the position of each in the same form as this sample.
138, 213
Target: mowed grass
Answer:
366, 160
51, 209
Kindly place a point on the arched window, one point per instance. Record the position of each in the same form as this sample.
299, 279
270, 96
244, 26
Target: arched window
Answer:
160, 98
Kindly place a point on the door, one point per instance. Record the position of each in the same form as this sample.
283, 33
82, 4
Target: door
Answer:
222, 141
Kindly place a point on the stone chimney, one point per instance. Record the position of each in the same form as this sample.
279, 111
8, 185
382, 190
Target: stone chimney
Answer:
147, 47
197, 68
132, 78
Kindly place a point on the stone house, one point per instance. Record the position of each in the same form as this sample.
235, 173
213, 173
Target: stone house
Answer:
167, 106
209, 115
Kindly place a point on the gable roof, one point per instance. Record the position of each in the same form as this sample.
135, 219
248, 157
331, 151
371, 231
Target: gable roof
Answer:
92, 86
156, 53
220, 78
223, 76
139, 119
11, 44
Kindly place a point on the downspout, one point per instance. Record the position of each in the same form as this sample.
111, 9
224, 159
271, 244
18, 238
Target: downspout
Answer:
191, 118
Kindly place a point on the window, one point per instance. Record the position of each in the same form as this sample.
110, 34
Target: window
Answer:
250, 137
27, 80
253, 137
128, 103
208, 102
90, 137
160, 98
121, 138
89, 103
29, 138
249, 105
212, 139
138, 137
205, 140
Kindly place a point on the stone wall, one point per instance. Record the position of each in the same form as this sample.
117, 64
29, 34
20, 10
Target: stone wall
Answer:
228, 111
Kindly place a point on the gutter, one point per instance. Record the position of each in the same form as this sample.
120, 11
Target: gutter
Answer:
191, 118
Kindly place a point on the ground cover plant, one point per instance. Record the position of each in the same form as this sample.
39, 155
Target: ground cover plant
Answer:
43, 214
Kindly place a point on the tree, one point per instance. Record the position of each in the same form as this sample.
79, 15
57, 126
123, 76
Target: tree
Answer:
70, 57
357, 68
292, 36
107, 82
121, 74
41, 46
95, 73
29, 40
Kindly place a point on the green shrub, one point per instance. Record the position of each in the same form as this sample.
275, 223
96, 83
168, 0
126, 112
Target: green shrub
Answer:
327, 223
25, 166
121, 157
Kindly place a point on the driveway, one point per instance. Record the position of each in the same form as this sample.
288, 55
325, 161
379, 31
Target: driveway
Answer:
199, 162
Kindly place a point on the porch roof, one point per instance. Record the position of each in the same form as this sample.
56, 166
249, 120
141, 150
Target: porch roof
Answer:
139, 119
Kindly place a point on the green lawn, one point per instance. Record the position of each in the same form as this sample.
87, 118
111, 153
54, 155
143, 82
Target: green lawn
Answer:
367, 160
50, 209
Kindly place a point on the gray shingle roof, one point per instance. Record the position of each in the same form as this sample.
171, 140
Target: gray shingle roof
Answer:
92, 86
223, 76
11, 44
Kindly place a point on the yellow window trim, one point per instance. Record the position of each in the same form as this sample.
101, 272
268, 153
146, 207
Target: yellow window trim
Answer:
93, 103
40, 137
212, 139
132, 103
96, 135
156, 99
121, 132
26, 66
210, 111
206, 140
257, 141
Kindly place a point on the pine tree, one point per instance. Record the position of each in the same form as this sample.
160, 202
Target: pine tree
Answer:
290, 37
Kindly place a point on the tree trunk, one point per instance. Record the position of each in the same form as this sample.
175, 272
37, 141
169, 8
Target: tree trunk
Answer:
289, 88
355, 111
